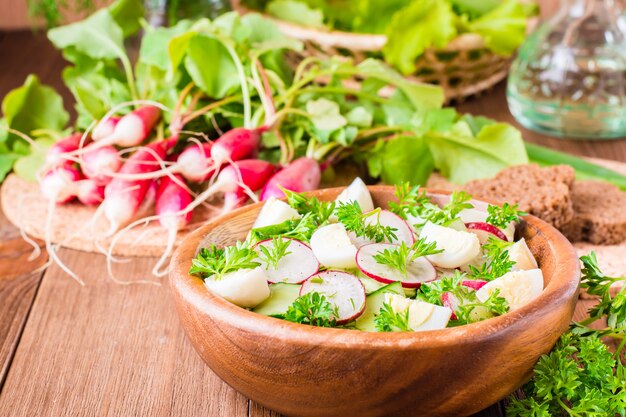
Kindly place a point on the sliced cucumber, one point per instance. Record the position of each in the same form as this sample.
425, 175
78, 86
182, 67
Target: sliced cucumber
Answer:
281, 297
373, 304
410, 292
371, 285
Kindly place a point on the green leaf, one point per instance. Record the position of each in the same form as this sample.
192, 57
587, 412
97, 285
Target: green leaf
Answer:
127, 14
33, 106
98, 36
325, 114
421, 96
211, 67
462, 157
503, 28
6, 163
420, 25
360, 116
27, 166
296, 12
405, 159
153, 49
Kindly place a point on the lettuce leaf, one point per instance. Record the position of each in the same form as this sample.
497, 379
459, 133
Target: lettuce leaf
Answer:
503, 28
413, 29
296, 12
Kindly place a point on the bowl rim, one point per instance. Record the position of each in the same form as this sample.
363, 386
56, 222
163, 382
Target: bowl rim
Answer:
563, 286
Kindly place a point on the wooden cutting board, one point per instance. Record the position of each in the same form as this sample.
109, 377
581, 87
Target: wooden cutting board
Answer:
26, 208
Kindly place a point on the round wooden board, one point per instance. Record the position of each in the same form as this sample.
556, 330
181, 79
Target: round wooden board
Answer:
25, 207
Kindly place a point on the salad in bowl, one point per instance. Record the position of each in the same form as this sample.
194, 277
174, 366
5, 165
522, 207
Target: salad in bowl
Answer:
345, 263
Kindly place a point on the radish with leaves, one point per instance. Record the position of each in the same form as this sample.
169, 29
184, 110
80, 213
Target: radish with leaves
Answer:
100, 163
301, 175
59, 153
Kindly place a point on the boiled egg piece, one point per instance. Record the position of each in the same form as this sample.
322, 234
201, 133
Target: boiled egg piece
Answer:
458, 247
522, 256
273, 212
422, 315
333, 248
356, 191
517, 287
246, 287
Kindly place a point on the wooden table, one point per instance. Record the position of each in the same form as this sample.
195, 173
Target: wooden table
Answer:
111, 350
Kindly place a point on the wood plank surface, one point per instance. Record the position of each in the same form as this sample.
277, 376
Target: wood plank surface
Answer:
111, 350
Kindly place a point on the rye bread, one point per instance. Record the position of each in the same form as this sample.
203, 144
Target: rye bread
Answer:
600, 214
543, 192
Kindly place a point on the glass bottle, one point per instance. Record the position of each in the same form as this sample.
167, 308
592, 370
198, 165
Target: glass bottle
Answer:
569, 78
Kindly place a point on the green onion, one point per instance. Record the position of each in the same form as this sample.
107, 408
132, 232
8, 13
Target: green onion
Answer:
584, 170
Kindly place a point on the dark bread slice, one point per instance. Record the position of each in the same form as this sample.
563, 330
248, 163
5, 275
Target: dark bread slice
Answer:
543, 192
600, 214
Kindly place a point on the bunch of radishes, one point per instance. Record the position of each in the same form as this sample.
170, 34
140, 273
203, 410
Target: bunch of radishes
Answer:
96, 170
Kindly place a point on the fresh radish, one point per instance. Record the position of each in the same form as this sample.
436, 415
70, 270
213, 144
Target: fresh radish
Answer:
58, 153
301, 175
418, 271
105, 127
240, 179
474, 215
59, 184
134, 128
100, 163
236, 144
171, 201
475, 284
340, 288
89, 192
459, 248
296, 266
124, 197
333, 248
517, 287
195, 163
246, 287
451, 301
484, 231
402, 230
274, 211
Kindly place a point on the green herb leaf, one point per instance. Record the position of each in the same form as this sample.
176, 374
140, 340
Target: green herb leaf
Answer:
296, 12
399, 257
410, 200
502, 216
272, 253
388, 320
313, 309
215, 263
354, 220
498, 261
503, 28
303, 204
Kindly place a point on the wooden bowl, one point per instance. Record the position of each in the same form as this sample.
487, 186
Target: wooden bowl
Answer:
301, 370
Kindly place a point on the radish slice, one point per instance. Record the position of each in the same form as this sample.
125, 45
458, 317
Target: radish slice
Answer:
340, 288
451, 301
475, 284
332, 247
484, 231
480, 216
522, 256
517, 287
418, 271
459, 248
296, 266
403, 230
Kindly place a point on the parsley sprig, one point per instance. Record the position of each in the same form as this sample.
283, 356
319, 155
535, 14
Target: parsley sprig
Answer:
497, 261
303, 204
581, 377
387, 320
502, 216
410, 200
314, 309
354, 220
273, 252
216, 262
300, 229
401, 256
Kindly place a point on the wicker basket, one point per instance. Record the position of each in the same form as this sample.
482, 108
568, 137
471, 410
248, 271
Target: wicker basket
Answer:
463, 68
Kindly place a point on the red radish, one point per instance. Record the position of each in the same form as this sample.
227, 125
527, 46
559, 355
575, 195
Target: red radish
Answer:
134, 128
451, 301
236, 144
105, 127
57, 153
301, 175
195, 163
403, 231
100, 163
484, 230
341, 289
59, 184
124, 197
297, 265
89, 192
171, 201
418, 270
475, 284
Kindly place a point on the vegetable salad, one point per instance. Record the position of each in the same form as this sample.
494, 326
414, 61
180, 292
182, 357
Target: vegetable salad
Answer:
346, 263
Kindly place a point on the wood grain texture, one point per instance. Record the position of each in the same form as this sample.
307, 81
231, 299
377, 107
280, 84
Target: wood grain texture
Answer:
19, 280
299, 370
109, 350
